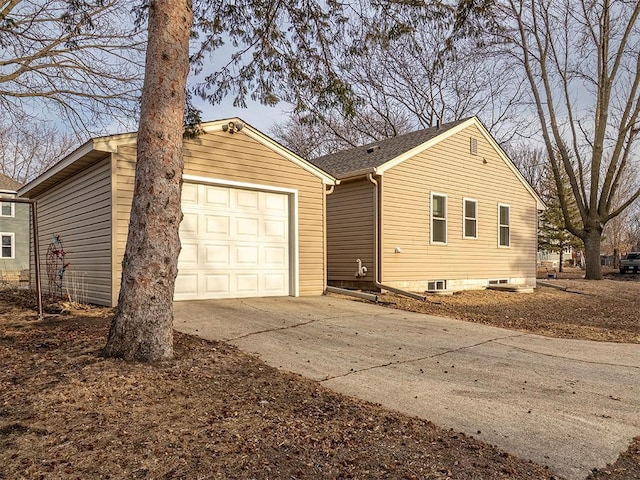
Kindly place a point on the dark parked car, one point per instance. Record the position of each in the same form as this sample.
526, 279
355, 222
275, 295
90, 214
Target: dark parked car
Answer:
630, 262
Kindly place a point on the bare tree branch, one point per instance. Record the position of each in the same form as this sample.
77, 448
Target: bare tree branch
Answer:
81, 61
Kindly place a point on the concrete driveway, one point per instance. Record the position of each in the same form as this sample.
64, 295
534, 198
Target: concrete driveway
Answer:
569, 404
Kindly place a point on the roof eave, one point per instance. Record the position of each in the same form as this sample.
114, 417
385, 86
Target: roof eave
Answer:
358, 174
57, 168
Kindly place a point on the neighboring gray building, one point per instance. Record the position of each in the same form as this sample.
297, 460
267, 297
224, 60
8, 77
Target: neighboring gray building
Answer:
14, 233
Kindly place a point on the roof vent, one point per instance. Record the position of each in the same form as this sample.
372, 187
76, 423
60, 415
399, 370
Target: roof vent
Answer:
373, 148
474, 146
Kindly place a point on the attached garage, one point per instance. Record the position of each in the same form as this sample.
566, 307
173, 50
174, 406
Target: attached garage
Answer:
253, 216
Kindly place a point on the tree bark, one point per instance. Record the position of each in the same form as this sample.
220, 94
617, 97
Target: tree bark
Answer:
142, 328
561, 259
592, 241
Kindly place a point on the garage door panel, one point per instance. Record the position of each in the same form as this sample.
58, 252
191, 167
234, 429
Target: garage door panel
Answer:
217, 284
247, 283
189, 194
215, 196
189, 254
247, 227
217, 255
247, 255
216, 225
235, 243
247, 200
187, 285
276, 204
189, 225
275, 229
275, 256
274, 282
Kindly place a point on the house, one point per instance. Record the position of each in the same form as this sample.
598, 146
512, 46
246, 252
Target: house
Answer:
14, 233
253, 220
436, 209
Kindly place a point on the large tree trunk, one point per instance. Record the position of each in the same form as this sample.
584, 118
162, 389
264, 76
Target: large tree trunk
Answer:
592, 254
142, 328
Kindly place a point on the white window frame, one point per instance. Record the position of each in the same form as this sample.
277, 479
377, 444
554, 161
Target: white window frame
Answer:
446, 205
437, 285
465, 218
500, 226
13, 209
13, 245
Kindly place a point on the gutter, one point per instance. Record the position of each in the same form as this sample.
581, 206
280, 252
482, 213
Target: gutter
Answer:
377, 258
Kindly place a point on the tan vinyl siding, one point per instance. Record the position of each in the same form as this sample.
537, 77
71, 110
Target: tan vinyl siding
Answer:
237, 157
350, 223
449, 168
79, 210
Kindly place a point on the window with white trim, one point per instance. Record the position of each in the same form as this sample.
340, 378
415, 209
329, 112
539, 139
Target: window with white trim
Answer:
504, 225
470, 218
438, 218
7, 209
7, 241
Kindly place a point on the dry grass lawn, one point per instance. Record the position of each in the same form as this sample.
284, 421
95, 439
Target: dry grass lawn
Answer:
606, 310
215, 412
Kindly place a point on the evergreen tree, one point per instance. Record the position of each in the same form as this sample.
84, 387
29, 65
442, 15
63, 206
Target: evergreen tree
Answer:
552, 234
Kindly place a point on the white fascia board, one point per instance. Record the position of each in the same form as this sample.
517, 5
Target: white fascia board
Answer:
58, 167
485, 133
271, 144
360, 173
107, 144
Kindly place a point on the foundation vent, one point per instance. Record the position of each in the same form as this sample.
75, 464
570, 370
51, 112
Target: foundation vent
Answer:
436, 285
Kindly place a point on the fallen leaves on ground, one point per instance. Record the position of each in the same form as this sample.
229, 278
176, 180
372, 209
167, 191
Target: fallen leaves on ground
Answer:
605, 310
214, 412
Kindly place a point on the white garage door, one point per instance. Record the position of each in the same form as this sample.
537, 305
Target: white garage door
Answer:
235, 243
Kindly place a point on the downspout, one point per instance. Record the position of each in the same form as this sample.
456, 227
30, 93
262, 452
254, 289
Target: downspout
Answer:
325, 273
377, 257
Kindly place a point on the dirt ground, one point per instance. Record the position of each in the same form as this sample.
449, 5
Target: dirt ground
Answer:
567, 307
214, 412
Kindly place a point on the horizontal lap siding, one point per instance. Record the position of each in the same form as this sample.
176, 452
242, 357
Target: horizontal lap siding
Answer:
451, 169
79, 210
237, 157
350, 224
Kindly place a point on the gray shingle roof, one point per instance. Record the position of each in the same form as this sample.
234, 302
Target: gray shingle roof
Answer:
7, 183
347, 162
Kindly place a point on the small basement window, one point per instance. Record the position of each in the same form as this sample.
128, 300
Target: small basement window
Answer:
498, 281
437, 285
